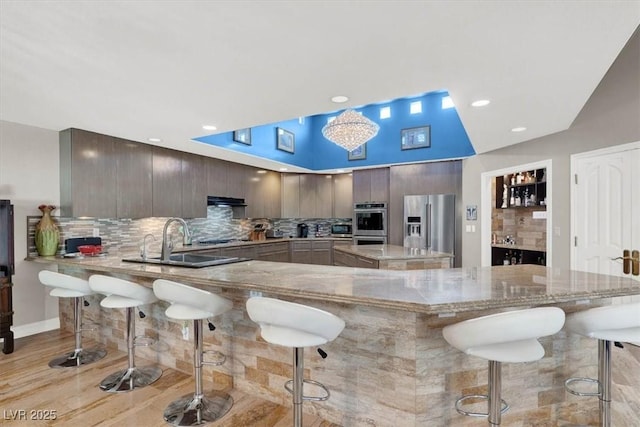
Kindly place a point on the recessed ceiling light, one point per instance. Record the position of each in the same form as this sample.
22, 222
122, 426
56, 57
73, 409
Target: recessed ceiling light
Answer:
480, 103
261, 171
155, 140
283, 169
339, 99
519, 129
209, 127
340, 171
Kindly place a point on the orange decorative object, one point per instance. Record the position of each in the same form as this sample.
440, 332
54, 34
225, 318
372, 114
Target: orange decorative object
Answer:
90, 249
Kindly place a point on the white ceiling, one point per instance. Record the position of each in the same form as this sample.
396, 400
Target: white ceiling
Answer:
141, 69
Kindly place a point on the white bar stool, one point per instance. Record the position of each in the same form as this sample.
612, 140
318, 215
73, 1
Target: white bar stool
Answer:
125, 294
510, 337
188, 303
614, 323
296, 326
65, 286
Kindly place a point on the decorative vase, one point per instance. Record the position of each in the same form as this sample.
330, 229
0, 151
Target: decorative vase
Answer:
47, 234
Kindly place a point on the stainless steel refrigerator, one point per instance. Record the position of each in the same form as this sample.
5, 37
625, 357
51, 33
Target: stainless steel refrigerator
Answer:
430, 222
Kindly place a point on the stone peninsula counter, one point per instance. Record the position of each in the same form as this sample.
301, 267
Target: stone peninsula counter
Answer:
390, 366
390, 257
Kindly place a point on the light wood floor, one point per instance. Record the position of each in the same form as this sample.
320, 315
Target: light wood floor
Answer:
27, 383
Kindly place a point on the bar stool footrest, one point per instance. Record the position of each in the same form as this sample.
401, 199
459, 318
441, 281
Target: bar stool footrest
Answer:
289, 388
581, 393
505, 405
143, 341
221, 358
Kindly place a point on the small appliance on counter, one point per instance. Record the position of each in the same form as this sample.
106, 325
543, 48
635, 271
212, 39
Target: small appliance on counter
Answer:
303, 230
73, 244
274, 234
341, 230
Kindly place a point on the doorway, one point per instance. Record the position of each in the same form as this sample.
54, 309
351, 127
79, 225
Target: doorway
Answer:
486, 204
605, 207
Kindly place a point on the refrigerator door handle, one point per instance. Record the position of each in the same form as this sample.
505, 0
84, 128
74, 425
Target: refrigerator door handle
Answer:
428, 226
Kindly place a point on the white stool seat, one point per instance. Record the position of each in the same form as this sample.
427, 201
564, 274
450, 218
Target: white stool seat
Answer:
65, 286
188, 303
120, 293
612, 323
125, 294
503, 337
293, 325
506, 337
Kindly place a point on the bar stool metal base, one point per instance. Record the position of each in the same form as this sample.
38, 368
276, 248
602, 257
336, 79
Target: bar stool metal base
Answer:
129, 379
77, 358
505, 405
193, 410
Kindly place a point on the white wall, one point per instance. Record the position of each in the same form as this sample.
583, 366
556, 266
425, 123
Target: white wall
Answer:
610, 117
29, 176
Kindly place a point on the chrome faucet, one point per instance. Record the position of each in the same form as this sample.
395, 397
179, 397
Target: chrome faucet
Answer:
143, 251
167, 244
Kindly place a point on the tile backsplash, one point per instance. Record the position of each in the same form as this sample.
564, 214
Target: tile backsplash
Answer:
126, 235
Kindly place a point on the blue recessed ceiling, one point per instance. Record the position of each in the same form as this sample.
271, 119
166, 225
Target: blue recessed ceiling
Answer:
312, 151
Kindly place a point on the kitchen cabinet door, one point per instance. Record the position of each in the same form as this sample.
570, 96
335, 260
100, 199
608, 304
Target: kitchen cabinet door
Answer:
237, 180
342, 196
308, 196
324, 196
301, 252
244, 251
194, 186
290, 195
87, 174
217, 173
276, 252
271, 194
167, 182
321, 252
380, 185
134, 179
371, 185
362, 186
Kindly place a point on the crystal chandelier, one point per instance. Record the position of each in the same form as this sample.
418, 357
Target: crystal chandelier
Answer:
350, 130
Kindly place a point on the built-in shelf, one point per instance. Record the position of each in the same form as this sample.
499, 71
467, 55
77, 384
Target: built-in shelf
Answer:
526, 189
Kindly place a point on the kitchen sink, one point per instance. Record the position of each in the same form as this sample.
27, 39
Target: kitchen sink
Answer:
189, 260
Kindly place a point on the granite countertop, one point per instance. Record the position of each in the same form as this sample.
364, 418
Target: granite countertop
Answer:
391, 252
425, 291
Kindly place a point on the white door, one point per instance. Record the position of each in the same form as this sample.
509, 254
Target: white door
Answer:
606, 208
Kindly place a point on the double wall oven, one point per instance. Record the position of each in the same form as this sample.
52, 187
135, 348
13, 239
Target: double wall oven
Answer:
370, 223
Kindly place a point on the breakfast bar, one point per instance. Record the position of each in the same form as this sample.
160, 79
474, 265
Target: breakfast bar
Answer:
390, 366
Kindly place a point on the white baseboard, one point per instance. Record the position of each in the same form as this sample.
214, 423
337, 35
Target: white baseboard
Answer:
35, 328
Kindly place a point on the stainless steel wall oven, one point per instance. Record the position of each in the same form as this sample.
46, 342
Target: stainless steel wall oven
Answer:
370, 219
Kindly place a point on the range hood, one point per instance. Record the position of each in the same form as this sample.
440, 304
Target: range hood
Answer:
225, 201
